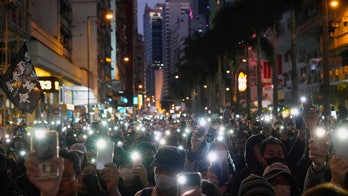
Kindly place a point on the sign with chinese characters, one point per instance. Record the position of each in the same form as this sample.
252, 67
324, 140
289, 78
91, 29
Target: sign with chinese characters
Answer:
242, 81
49, 84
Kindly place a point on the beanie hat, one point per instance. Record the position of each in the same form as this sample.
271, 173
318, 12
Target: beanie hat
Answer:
170, 158
255, 185
279, 168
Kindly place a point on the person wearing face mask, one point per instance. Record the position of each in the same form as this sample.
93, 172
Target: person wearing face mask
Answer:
147, 150
133, 177
168, 162
283, 183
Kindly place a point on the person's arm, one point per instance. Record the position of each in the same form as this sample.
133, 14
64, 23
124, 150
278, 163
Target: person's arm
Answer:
47, 187
141, 172
339, 169
315, 177
318, 171
111, 178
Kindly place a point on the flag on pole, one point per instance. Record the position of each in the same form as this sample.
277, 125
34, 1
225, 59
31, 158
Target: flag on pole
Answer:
20, 82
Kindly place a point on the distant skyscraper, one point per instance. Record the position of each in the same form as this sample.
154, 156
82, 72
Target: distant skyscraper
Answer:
176, 27
153, 48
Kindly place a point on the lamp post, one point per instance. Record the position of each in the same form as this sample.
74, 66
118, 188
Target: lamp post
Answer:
108, 17
88, 45
326, 65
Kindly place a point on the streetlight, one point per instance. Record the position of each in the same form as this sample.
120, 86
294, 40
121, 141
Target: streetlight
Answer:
326, 68
108, 17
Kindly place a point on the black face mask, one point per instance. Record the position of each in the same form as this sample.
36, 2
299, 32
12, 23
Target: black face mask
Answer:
272, 160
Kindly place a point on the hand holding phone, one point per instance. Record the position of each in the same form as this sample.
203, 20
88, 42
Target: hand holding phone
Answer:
45, 147
219, 165
188, 181
320, 136
307, 104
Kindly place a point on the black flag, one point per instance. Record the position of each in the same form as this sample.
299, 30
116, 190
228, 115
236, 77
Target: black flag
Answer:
20, 82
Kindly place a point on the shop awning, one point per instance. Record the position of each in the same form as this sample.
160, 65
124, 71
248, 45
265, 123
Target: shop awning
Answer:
77, 95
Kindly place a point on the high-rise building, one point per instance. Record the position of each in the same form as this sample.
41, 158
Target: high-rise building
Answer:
56, 34
126, 23
153, 48
176, 27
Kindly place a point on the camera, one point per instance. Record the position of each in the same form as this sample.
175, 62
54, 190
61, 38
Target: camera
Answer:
45, 146
187, 181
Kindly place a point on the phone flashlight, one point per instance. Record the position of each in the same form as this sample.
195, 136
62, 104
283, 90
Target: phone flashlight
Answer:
340, 146
22, 153
212, 156
101, 143
320, 132
187, 181
135, 156
136, 159
182, 179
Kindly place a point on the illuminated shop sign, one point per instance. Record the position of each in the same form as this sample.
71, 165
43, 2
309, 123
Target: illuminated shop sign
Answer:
242, 82
49, 84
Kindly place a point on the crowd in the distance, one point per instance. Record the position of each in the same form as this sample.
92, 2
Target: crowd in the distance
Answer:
234, 155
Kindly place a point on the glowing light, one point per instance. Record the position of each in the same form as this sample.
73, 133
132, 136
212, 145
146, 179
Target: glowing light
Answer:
242, 82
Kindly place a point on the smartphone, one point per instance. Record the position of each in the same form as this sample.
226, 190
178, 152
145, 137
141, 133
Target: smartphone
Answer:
45, 145
136, 159
320, 135
339, 141
105, 153
220, 165
307, 105
187, 181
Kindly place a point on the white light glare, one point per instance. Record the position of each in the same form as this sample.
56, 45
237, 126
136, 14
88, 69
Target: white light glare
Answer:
202, 122
40, 134
267, 118
342, 133
320, 132
220, 138
135, 156
182, 179
295, 111
162, 141
303, 99
212, 156
101, 143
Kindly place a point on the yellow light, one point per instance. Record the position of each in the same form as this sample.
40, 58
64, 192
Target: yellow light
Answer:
242, 81
334, 4
126, 59
109, 16
108, 59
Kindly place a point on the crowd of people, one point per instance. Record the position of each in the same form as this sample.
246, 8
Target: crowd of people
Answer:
233, 155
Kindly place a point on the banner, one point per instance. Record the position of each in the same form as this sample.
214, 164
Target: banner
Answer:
20, 82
